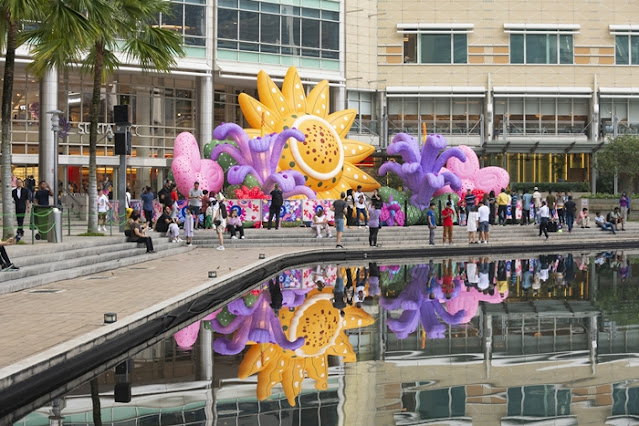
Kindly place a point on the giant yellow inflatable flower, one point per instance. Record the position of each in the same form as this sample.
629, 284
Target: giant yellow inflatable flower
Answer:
325, 158
323, 330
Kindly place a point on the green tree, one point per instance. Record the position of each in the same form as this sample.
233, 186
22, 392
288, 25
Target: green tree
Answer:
620, 155
116, 26
12, 14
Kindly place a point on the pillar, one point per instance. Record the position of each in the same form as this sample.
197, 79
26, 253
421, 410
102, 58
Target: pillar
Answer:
48, 102
205, 113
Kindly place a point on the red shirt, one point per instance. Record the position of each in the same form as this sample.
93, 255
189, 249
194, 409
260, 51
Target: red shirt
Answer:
447, 216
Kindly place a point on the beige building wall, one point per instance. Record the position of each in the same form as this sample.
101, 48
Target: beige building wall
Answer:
360, 50
488, 44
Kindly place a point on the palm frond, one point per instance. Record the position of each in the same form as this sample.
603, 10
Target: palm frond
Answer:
155, 48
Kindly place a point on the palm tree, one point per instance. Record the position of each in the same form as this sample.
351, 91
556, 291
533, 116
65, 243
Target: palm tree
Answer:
12, 13
125, 26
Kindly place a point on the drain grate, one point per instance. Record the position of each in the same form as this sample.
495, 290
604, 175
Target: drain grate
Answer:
99, 277
45, 290
133, 268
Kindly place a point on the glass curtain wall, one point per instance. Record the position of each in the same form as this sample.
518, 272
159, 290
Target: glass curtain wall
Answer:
627, 112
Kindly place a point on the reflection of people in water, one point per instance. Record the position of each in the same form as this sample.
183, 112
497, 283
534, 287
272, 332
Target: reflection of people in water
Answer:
502, 279
276, 295
349, 287
525, 275
447, 278
338, 292
373, 280
319, 277
569, 274
360, 283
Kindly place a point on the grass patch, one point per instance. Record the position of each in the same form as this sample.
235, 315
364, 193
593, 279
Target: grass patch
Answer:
91, 234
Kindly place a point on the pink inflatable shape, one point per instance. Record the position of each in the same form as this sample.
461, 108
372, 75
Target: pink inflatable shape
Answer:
187, 337
473, 177
189, 167
468, 302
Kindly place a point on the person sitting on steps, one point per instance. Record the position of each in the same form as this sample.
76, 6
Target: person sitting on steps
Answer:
6, 263
320, 222
138, 233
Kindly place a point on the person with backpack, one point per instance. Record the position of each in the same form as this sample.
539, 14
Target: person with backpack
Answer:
277, 201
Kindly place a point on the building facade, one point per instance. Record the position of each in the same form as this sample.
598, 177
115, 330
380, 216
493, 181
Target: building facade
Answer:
534, 87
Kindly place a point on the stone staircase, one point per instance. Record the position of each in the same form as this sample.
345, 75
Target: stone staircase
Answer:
44, 263
403, 236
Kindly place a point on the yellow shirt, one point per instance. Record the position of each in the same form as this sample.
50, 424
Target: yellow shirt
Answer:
502, 199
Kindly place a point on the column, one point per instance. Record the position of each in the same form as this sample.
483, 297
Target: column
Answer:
205, 115
206, 370
48, 102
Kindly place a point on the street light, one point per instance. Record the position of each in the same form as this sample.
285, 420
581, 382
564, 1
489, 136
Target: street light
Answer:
55, 126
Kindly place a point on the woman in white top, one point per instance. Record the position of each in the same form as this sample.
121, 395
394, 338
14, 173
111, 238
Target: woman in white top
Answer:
319, 222
471, 226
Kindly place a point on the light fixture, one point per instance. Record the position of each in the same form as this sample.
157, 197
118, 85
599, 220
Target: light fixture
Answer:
212, 274
110, 317
262, 256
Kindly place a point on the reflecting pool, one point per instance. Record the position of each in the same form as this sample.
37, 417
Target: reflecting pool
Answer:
526, 339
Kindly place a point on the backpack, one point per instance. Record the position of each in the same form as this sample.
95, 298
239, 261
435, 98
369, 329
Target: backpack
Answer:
223, 211
608, 218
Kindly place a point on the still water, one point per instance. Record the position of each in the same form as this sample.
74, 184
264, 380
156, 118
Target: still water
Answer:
537, 339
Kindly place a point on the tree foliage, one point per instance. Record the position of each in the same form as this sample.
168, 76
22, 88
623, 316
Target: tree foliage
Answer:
619, 155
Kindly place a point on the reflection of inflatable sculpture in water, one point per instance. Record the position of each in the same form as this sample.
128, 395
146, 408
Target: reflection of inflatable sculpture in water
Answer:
422, 170
317, 155
468, 302
321, 328
186, 337
418, 306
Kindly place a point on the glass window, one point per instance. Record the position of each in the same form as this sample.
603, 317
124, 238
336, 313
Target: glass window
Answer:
270, 8
330, 35
249, 26
310, 33
249, 5
410, 48
227, 24
188, 18
435, 49
460, 50
531, 48
622, 54
270, 28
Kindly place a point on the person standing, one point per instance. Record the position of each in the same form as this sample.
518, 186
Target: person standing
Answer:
490, 200
570, 209
147, 204
430, 217
375, 198
174, 199
103, 209
106, 185
561, 204
277, 201
164, 194
373, 223
360, 206
195, 202
339, 207
536, 196
550, 202
544, 219
21, 199
42, 195
447, 221
502, 206
219, 219
514, 198
188, 225
30, 184
526, 201
484, 223
471, 226
624, 204
470, 200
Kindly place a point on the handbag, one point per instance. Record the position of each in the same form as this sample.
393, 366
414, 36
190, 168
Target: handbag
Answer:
217, 222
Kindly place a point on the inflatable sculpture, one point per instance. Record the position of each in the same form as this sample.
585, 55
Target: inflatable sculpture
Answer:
422, 170
324, 157
188, 166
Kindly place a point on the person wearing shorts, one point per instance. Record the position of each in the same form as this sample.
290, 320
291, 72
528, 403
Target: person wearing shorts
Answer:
484, 223
339, 207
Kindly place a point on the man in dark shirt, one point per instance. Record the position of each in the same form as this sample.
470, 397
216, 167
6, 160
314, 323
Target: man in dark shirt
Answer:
21, 198
569, 209
164, 195
163, 222
470, 201
339, 207
274, 209
42, 195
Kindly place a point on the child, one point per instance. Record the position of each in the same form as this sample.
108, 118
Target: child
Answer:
188, 226
234, 224
471, 226
174, 231
208, 216
462, 214
373, 223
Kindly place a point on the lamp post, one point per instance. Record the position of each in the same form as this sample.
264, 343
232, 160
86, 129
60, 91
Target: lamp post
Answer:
55, 126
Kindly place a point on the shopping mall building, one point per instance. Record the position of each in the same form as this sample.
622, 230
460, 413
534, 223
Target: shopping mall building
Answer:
535, 87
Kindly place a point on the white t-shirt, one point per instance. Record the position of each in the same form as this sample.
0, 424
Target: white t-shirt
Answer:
484, 214
103, 204
471, 273
358, 204
471, 225
544, 211
318, 220
483, 282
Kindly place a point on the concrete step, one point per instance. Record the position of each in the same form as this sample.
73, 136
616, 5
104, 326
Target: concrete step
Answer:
140, 256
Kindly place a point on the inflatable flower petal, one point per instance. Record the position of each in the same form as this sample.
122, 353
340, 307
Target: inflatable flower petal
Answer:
188, 167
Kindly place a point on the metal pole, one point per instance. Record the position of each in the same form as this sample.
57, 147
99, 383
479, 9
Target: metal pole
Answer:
55, 126
122, 192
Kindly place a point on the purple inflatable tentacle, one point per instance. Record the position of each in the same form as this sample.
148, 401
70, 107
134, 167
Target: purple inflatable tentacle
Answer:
405, 324
452, 179
390, 304
301, 190
447, 316
429, 155
391, 167
237, 174
229, 328
280, 337
405, 149
230, 150
278, 145
235, 345
446, 155
238, 307
261, 164
224, 130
